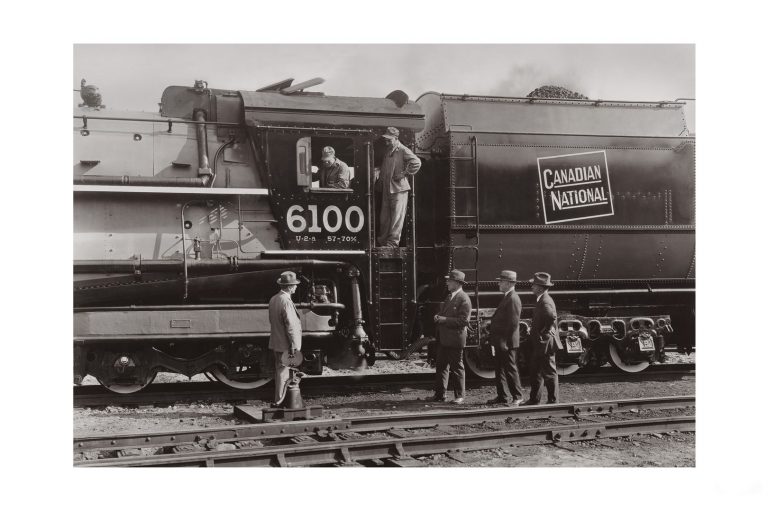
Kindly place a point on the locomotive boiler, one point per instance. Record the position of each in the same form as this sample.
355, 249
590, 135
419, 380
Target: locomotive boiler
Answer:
185, 218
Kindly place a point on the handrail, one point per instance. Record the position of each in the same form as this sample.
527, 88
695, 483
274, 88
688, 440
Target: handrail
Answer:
170, 121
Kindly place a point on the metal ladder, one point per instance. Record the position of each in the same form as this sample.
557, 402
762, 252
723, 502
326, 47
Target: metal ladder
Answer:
474, 246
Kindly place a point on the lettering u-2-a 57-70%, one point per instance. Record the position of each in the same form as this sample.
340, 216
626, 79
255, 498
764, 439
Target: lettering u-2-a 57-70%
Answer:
331, 220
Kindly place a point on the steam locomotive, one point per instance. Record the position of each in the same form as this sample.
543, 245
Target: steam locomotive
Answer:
184, 219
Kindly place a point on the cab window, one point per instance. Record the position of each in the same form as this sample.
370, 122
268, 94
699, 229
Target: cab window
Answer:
325, 164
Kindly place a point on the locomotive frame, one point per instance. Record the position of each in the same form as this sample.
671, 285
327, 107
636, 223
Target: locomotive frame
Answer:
177, 252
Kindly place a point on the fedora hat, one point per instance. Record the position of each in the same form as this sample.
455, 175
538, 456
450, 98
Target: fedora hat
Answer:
287, 278
541, 278
508, 275
456, 275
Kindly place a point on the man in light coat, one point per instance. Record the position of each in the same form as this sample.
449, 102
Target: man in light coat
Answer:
285, 330
543, 342
398, 163
452, 321
505, 337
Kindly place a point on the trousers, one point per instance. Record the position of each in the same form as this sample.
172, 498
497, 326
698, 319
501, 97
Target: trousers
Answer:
508, 385
543, 370
392, 218
450, 363
282, 375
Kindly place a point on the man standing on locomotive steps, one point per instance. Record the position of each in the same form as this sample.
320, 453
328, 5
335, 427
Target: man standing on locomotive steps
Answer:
505, 338
543, 342
285, 330
399, 161
452, 321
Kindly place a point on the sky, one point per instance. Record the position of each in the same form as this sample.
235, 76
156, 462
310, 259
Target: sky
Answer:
132, 76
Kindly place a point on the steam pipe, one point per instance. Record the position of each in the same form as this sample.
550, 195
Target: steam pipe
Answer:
204, 168
358, 333
145, 181
203, 265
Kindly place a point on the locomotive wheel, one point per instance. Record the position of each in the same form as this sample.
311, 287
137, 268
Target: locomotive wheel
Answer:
125, 389
629, 367
567, 369
479, 364
231, 379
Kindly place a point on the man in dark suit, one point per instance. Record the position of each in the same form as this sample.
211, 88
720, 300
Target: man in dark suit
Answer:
544, 341
505, 337
452, 322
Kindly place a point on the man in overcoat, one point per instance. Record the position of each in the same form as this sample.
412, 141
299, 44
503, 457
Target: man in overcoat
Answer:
505, 338
285, 330
543, 342
398, 163
452, 321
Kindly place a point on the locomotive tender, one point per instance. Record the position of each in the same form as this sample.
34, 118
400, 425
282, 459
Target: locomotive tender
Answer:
184, 220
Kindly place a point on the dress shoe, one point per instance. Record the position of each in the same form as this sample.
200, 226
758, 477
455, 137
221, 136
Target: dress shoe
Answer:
551, 401
436, 398
517, 402
458, 401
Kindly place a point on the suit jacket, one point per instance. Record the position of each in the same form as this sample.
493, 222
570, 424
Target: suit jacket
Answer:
453, 332
395, 167
505, 322
544, 326
284, 323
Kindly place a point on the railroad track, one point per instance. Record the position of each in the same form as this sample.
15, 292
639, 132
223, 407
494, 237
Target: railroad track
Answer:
385, 439
186, 392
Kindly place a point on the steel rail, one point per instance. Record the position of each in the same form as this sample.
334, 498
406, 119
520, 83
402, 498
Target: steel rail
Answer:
350, 452
184, 392
373, 423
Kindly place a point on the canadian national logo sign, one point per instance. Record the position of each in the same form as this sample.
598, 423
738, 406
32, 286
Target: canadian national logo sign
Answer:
575, 187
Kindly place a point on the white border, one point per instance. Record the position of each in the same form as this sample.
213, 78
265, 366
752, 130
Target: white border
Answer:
607, 179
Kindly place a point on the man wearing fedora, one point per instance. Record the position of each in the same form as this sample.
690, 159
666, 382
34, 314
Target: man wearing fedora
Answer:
398, 163
544, 341
285, 329
333, 172
505, 337
452, 321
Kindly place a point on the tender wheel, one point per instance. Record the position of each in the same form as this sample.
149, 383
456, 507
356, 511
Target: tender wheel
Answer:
479, 363
614, 356
238, 378
567, 369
